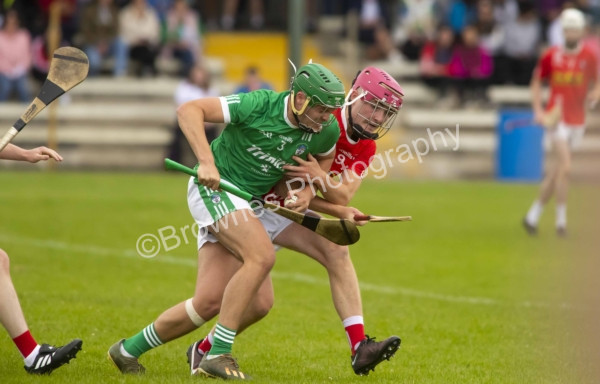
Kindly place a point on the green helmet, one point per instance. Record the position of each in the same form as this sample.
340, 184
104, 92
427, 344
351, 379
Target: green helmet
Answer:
320, 85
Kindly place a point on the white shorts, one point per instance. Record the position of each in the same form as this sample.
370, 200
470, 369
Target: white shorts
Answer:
208, 206
572, 134
273, 223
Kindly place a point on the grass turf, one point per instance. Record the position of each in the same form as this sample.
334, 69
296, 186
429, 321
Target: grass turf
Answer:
472, 297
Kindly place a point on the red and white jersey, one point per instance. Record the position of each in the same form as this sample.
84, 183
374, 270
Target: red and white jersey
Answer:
569, 75
350, 155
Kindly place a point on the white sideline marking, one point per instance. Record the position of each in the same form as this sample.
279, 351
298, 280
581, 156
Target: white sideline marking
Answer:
298, 277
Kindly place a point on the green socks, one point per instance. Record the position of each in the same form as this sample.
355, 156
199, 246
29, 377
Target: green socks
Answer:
142, 342
223, 340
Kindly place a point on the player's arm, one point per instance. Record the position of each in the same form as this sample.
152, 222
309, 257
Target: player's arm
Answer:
191, 117
304, 192
13, 152
337, 192
541, 72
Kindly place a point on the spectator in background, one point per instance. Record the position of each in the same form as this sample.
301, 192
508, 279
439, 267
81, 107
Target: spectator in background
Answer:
460, 14
15, 58
257, 14
491, 33
252, 81
197, 85
521, 43
68, 19
374, 31
505, 11
416, 27
435, 61
471, 67
182, 35
140, 29
100, 36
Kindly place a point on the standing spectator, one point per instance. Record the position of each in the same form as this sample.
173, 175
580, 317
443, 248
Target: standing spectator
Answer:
491, 33
15, 58
68, 19
182, 35
140, 29
196, 86
435, 61
100, 34
521, 43
471, 67
252, 81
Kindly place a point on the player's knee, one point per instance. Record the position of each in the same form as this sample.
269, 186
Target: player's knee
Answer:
262, 260
207, 308
4, 262
262, 305
336, 255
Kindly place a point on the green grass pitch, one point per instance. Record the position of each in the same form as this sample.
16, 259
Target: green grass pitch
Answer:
472, 297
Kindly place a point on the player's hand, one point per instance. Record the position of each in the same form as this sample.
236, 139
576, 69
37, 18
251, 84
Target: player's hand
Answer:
593, 99
308, 169
208, 175
538, 116
348, 213
298, 199
41, 154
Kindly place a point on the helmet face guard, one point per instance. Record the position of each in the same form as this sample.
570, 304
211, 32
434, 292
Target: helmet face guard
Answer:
381, 98
374, 113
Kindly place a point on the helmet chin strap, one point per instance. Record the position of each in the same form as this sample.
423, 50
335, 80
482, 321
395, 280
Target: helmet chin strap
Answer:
359, 132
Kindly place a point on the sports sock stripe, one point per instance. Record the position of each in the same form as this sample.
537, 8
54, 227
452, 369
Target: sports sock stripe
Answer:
151, 336
226, 338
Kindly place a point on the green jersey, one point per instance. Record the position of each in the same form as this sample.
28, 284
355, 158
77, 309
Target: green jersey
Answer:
259, 140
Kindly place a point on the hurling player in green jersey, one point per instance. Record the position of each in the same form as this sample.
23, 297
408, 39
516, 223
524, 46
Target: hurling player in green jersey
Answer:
264, 131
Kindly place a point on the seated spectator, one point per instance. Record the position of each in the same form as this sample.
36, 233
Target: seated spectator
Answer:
196, 86
415, 27
460, 14
522, 38
435, 61
491, 33
374, 31
257, 14
182, 35
252, 81
100, 36
471, 67
15, 58
140, 30
505, 11
68, 19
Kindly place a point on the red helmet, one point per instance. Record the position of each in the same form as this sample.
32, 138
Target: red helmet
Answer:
384, 97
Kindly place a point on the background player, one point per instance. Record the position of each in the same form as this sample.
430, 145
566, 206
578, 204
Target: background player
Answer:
38, 358
570, 70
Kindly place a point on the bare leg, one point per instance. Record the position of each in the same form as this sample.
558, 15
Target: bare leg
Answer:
336, 259
11, 314
258, 257
563, 153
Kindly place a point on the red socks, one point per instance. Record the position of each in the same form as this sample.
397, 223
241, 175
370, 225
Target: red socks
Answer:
355, 330
26, 343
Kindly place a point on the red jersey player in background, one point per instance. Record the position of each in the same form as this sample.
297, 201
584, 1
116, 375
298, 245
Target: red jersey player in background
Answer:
371, 107
570, 70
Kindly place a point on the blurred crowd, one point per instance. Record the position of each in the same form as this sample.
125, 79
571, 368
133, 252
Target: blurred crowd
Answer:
461, 46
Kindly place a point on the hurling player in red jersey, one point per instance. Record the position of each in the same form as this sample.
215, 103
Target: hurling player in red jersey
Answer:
570, 70
371, 107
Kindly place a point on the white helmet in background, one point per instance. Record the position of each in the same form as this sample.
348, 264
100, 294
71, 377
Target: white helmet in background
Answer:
572, 18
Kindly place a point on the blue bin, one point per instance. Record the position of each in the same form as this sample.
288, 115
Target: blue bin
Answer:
520, 154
